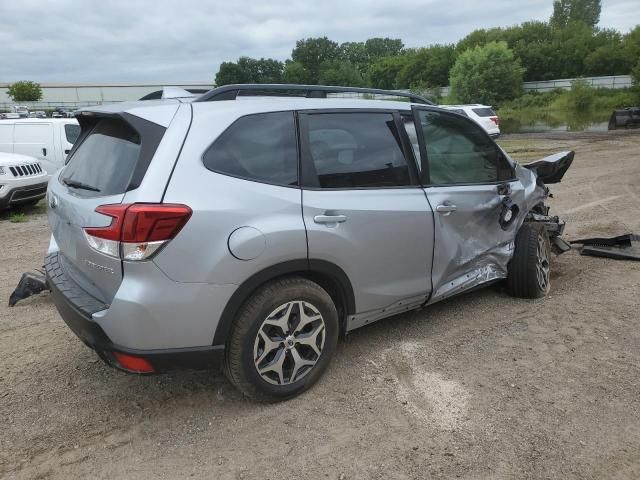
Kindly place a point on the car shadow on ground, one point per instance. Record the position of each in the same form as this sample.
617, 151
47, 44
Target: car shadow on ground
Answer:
21, 214
211, 387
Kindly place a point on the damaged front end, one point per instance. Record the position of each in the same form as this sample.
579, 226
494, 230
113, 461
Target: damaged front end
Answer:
549, 170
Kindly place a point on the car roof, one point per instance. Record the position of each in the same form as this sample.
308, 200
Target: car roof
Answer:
259, 104
470, 105
40, 120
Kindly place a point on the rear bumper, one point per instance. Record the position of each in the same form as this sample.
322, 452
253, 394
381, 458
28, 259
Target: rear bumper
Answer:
76, 308
11, 196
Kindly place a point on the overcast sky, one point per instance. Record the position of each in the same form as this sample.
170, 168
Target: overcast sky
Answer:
186, 40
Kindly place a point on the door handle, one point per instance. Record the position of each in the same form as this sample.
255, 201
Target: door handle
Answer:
330, 218
446, 208
44, 152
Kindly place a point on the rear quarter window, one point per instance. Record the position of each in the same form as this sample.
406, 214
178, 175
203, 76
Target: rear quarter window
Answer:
260, 147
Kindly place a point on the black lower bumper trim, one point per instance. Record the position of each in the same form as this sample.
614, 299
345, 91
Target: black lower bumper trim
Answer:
24, 194
93, 336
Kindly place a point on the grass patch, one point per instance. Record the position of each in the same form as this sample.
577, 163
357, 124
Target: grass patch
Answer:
17, 217
21, 214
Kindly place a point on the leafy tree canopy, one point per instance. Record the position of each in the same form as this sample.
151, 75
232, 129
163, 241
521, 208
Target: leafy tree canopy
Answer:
25, 91
489, 74
567, 11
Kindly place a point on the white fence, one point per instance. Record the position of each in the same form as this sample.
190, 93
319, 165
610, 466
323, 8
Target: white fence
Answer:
80, 95
614, 81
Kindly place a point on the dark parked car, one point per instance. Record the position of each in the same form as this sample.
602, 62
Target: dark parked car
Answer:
625, 118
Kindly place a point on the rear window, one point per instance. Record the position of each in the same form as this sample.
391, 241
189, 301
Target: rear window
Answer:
72, 132
106, 159
484, 112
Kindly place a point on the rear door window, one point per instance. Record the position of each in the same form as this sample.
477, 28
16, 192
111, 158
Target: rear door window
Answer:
261, 147
484, 112
106, 159
353, 150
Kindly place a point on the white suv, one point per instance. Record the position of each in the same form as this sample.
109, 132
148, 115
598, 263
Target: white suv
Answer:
23, 181
481, 114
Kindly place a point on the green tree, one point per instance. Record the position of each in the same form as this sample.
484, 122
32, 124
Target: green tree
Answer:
490, 74
250, 70
567, 11
25, 91
581, 96
356, 54
635, 77
340, 72
312, 52
630, 45
607, 60
383, 73
294, 72
378, 48
427, 67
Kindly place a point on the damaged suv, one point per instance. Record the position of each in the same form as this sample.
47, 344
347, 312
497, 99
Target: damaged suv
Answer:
248, 230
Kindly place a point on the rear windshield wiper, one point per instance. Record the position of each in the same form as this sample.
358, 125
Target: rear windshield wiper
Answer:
83, 186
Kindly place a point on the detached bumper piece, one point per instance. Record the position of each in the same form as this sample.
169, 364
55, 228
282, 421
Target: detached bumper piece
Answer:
76, 308
31, 283
623, 247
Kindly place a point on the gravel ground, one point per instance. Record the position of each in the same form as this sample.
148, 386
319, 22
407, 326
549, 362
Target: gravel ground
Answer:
480, 386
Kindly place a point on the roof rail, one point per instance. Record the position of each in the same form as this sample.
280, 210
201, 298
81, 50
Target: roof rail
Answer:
230, 92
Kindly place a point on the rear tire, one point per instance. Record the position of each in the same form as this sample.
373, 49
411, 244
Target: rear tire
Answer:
282, 340
529, 269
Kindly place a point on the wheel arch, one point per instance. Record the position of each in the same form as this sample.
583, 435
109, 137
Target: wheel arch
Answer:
326, 274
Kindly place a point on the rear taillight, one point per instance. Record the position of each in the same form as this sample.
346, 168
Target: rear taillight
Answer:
494, 120
137, 230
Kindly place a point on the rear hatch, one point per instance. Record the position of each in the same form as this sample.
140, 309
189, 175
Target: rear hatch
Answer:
110, 158
488, 117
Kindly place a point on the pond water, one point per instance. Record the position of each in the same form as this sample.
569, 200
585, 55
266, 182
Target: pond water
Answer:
529, 122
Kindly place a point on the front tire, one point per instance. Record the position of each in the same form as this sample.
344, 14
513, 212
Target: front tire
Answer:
282, 340
529, 270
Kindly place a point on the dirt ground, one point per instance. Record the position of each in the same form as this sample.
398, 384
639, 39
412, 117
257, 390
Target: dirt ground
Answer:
480, 386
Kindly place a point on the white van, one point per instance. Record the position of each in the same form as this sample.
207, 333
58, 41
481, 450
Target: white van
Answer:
47, 139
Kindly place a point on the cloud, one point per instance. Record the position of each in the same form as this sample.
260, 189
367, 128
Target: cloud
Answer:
167, 41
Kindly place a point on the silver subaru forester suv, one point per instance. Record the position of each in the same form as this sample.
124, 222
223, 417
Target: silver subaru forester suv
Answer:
253, 226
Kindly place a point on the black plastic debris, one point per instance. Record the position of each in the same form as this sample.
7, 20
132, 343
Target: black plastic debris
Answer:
30, 283
623, 247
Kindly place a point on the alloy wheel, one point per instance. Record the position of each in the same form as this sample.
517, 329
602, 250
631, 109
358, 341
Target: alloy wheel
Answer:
542, 264
289, 343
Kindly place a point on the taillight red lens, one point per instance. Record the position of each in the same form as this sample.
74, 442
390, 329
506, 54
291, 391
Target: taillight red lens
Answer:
137, 230
494, 120
133, 364
141, 222
153, 223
